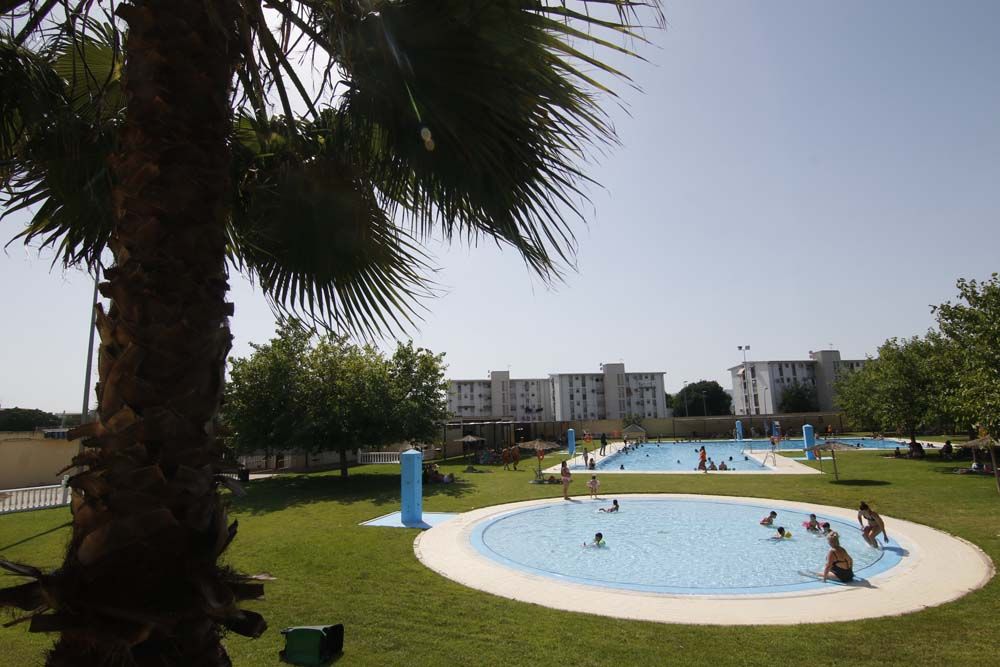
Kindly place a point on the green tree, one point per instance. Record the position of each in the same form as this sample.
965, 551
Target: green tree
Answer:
349, 402
902, 384
855, 394
143, 149
798, 397
24, 419
701, 399
418, 396
264, 407
972, 324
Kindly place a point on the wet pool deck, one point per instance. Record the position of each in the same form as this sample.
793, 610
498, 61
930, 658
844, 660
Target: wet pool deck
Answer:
936, 568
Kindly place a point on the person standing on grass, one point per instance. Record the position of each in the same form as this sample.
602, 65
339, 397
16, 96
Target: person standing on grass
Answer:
566, 479
515, 455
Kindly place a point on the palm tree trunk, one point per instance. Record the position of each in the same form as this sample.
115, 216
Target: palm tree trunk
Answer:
140, 584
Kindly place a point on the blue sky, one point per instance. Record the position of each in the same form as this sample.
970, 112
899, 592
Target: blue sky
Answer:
794, 174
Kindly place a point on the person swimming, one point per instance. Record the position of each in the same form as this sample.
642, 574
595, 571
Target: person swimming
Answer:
812, 525
614, 507
598, 541
825, 526
782, 534
769, 519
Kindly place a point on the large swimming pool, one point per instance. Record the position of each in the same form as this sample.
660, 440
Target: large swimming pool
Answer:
678, 546
683, 456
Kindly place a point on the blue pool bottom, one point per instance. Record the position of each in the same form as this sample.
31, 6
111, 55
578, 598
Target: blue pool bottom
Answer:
673, 546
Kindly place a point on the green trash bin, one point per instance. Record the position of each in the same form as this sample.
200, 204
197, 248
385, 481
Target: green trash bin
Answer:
312, 644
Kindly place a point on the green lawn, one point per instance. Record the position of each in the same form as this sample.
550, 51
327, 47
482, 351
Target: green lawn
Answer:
304, 530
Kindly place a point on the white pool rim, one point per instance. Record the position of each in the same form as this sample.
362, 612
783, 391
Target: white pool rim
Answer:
938, 568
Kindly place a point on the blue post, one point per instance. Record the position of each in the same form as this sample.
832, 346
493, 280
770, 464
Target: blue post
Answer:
739, 430
809, 441
411, 467
571, 442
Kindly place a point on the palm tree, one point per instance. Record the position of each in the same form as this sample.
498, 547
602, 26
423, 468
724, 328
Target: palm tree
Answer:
148, 132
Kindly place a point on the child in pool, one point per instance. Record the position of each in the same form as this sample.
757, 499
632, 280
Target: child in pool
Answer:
826, 527
782, 534
812, 525
769, 519
594, 484
614, 507
598, 541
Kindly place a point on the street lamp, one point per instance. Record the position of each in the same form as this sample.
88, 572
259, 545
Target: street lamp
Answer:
704, 409
684, 397
746, 375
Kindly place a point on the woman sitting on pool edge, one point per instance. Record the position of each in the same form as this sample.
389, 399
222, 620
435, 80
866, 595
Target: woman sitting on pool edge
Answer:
838, 562
598, 541
614, 507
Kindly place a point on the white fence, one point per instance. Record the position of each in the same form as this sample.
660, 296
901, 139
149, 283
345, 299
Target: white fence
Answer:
33, 498
379, 457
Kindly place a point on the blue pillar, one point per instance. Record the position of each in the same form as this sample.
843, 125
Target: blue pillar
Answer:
571, 442
411, 468
739, 429
809, 441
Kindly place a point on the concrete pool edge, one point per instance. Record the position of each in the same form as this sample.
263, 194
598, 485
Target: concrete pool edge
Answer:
939, 568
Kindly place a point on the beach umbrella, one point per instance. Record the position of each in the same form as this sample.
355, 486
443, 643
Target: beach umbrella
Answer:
468, 441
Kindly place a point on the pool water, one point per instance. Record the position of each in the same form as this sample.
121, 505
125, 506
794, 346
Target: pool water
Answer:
677, 546
653, 456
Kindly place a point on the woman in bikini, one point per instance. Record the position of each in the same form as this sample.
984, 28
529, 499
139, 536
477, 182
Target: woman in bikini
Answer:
566, 479
874, 527
838, 562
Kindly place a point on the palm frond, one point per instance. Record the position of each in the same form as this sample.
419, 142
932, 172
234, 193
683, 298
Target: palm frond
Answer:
309, 229
474, 115
53, 153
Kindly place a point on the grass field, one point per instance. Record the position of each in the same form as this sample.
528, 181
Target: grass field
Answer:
304, 530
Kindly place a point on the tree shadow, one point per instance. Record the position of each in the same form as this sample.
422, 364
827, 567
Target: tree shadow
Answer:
861, 482
282, 492
35, 536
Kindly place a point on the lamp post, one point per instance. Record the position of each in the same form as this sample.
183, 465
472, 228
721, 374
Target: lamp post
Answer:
765, 401
684, 396
746, 378
704, 408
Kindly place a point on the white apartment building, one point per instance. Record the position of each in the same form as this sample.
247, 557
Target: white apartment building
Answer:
609, 394
498, 396
758, 385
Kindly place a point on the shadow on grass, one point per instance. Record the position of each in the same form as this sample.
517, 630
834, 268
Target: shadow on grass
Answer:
278, 493
861, 482
35, 536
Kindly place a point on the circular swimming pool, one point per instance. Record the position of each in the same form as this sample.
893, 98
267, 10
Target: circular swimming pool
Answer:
681, 558
680, 546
